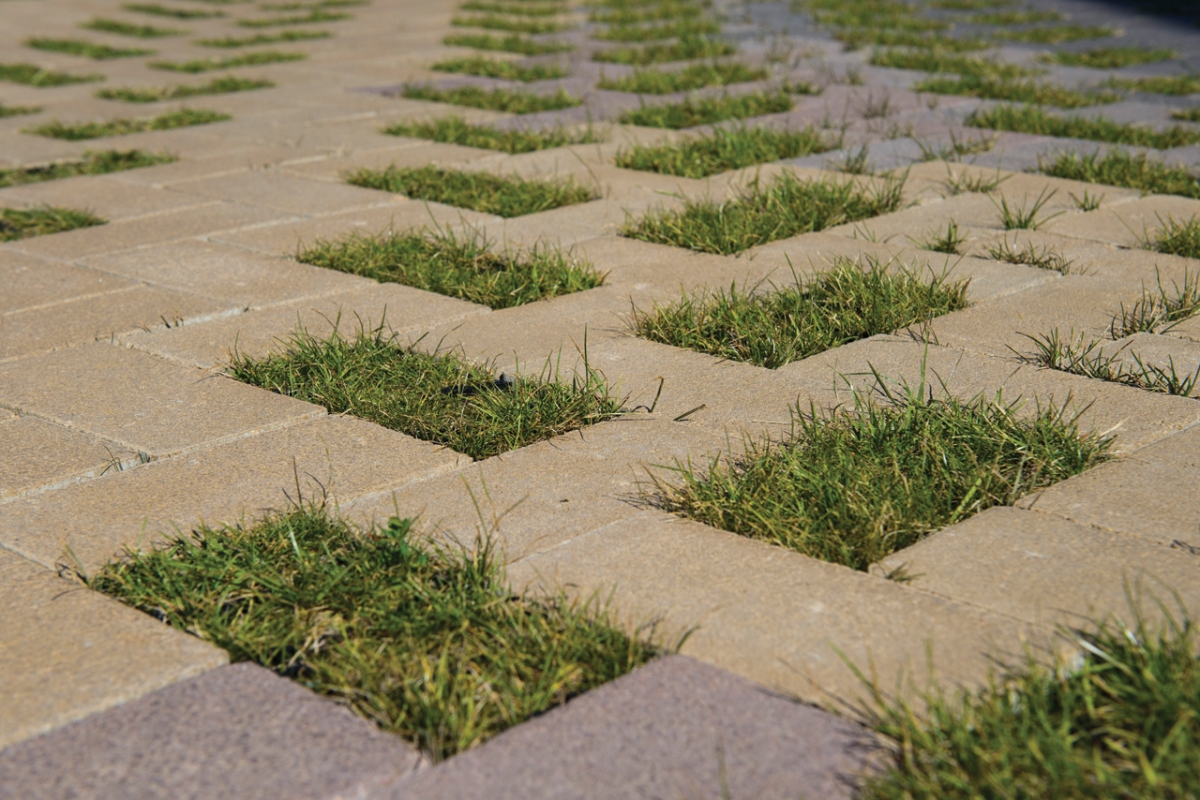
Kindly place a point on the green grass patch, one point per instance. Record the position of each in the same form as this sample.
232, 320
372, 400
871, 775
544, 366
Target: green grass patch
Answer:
92, 163
78, 47
1121, 168
1018, 91
770, 329
506, 44
208, 64
1120, 721
18, 111
855, 38
1013, 17
1027, 119
696, 76
153, 94
653, 33
1109, 57
707, 110
182, 118
504, 196
1175, 85
723, 150
494, 99
128, 29
941, 61
1100, 360
22, 223
462, 267
1056, 34
517, 9
33, 75
456, 130
437, 398
687, 48
492, 22
311, 18
854, 486
969, 5
264, 38
505, 70
160, 10
787, 206
426, 642
1187, 115
1177, 238
629, 14
1045, 258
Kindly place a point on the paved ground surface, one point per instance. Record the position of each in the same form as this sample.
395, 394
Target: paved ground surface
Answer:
117, 423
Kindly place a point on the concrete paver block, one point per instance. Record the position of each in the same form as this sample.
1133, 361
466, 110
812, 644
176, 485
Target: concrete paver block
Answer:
1127, 224
288, 193
35, 453
31, 282
109, 199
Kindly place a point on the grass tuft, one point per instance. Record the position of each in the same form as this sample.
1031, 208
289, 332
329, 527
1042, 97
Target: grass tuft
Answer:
855, 486
425, 641
223, 85
1109, 57
1028, 119
33, 75
707, 110
1176, 85
494, 100
1025, 217
437, 398
78, 47
652, 33
1177, 238
1056, 34
949, 242
1187, 115
507, 44
504, 196
18, 111
127, 29
518, 9
504, 70
456, 130
264, 38
498, 23
92, 163
159, 10
941, 61
771, 329
181, 118
696, 76
1121, 168
686, 48
1042, 259
764, 213
1018, 91
207, 64
312, 17
1093, 359
462, 267
723, 150
22, 223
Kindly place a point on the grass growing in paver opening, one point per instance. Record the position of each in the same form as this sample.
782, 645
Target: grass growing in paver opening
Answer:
1019, 91
650, 33
22, 223
940, 61
248, 60
312, 17
127, 29
763, 213
159, 10
1121, 168
494, 99
92, 163
519, 9
465, 267
438, 398
696, 76
505, 70
504, 196
1187, 115
17, 111
1178, 238
181, 118
264, 38
497, 23
707, 110
1078, 355
456, 130
1109, 57
79, 47
1160, 84
1056, 34
1013, 17
831, 309
506, 44
425, 641
724, 150
688, 47
1028, 119
153, 94
856, 485
1159, 309
33, 75
1122, 720
627, 14
1045, 258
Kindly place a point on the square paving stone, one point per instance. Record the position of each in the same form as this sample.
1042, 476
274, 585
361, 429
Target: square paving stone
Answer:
286, 193
109, 199
35, 453
32, 282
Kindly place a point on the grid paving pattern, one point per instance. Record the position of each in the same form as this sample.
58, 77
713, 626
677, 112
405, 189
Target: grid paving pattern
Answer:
120, 424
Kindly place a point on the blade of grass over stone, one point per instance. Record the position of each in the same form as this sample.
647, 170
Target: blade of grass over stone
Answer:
688, 47
438, 398
651, 33
154, 94
505, 70
456, 130
763, 213
312, 17
207, 64
498, 23
22, 223
854, 486
1109, 57
425, 641
770, 329
78, 47
459, 266
504, 196
1018, 91
33, 75
159, 10
494, 100
1056, 34
1101, 360
127, 29
17, 111
1121, 720
182, 118
724, 150
1160, 84
1028, 119
92, 163
507, 44
940, 61
696, 76
264, 38
1122, 168
707, 110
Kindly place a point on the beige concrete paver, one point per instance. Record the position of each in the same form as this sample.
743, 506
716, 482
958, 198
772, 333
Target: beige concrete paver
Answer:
32, 282
66, 651
1127, 224
107, 198
35, 453
285, 193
